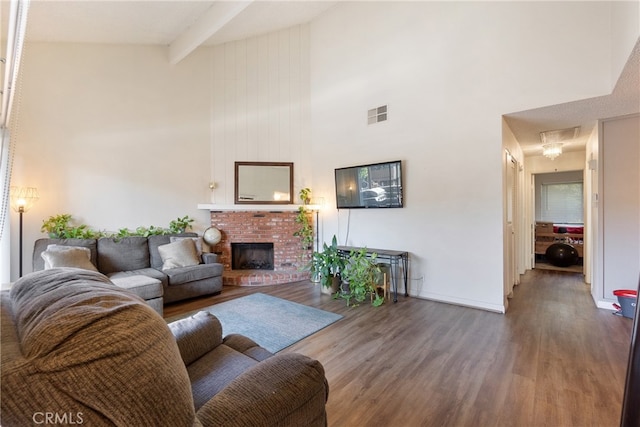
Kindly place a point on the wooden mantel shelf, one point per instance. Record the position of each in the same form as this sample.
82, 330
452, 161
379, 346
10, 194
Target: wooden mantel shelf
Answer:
243, 208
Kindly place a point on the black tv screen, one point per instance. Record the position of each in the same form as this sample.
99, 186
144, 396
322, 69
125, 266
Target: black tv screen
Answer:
377, 185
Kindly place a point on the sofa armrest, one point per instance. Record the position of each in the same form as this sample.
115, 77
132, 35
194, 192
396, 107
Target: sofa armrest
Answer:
196, 335
209, 258
284, 390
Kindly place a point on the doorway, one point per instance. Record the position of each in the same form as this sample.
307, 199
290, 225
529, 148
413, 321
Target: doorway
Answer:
558, 234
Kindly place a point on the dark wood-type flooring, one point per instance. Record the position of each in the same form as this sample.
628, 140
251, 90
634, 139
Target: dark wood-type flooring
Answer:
553, 360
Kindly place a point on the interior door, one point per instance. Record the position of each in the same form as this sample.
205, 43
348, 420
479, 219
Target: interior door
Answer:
511, 252
533, 222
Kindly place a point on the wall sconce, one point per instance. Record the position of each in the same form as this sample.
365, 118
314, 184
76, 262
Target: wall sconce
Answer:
212, 186
22, 199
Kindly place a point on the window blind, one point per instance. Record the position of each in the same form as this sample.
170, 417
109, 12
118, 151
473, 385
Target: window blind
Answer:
562, 202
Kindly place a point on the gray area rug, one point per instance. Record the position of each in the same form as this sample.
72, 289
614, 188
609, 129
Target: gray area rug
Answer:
272, 322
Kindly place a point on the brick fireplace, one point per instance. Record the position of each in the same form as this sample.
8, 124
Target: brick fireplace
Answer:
272, 227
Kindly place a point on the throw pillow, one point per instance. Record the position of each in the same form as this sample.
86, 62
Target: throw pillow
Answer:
196, 240
67, 256
182, 253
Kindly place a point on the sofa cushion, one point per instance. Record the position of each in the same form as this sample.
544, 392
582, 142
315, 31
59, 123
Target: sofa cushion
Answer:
196, 335
180, 275
213, 371
181, 253
151, 272
144, 286
163, 239
122, 254
196, 240
67, 256
41, 245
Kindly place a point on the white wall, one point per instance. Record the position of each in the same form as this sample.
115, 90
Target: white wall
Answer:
113, 135
448, 71
118, 137
260, 106
625, 16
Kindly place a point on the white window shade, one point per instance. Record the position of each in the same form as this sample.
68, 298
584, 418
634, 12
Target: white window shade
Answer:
562, 202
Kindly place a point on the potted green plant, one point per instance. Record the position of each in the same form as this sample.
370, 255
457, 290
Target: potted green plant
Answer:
327, 265
180, 225
58, 227
361, 273
305, 195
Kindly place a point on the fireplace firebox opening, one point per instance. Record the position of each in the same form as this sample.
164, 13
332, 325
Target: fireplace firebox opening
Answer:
252, 256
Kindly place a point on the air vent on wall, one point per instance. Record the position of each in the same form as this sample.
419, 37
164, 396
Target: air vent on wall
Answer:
376, 115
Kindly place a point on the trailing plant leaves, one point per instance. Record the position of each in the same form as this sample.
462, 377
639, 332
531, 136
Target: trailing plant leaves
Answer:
305, 232
59, 227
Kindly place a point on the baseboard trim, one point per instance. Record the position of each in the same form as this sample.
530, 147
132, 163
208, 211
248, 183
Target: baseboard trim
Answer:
607, 305
496, 308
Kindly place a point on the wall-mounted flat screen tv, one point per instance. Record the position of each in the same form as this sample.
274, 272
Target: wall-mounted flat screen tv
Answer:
377, 185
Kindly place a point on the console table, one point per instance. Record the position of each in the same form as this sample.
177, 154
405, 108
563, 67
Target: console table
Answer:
393, 257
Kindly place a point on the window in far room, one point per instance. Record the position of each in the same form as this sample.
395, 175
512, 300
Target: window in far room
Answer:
562, 202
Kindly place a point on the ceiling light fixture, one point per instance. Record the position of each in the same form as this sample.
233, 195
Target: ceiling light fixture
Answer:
551, 140
552, 150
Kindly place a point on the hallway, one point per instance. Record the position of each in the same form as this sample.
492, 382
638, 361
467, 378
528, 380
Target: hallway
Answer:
578, 352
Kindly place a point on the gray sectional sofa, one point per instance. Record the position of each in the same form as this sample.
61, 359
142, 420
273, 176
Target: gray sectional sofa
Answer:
80, 350
136, 264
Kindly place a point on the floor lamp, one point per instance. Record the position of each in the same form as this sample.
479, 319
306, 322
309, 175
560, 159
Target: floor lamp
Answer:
22, 199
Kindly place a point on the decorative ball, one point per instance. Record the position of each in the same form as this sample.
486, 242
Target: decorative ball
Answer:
211, 236
561, 255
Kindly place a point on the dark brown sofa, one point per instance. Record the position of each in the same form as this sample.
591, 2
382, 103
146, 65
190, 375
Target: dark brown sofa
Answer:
80, 350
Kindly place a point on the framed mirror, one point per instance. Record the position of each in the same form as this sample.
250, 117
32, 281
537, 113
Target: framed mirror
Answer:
264, 183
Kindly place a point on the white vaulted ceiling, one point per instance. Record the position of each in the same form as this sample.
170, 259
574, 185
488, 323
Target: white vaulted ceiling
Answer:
182, 26
158, 22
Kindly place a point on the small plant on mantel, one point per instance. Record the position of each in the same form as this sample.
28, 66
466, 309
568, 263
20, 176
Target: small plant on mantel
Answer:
305, 232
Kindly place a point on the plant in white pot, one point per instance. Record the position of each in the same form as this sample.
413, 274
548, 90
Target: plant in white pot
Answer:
327, 265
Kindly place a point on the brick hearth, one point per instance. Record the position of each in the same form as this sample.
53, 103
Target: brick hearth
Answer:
275, 227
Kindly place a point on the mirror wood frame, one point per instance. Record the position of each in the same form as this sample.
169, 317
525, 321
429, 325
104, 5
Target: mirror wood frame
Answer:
261, 167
